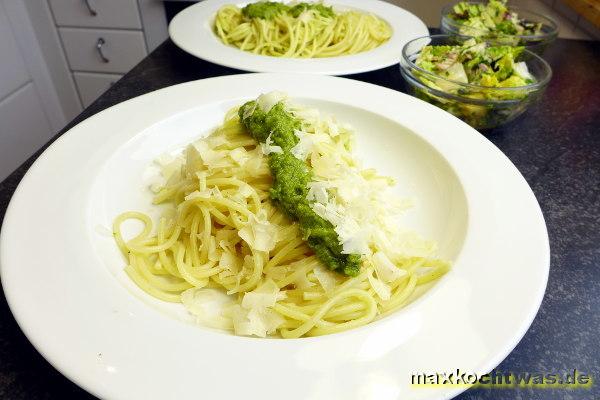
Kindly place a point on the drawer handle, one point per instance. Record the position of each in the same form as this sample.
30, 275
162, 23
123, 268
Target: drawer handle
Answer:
91, 9
99, 45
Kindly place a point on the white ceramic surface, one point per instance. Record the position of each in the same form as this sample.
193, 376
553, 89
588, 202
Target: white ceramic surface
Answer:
63, 278
192, 31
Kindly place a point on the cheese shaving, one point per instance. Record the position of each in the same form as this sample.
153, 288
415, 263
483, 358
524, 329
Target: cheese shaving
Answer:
260, 234
268, 147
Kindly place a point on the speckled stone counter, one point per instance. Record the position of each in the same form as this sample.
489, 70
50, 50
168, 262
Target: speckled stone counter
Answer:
555, 145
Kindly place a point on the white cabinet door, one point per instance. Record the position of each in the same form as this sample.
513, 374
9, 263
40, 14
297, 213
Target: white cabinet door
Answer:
13, 73
24, 126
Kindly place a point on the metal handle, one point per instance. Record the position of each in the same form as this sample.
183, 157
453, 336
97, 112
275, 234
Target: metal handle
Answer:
91, 9
99, 45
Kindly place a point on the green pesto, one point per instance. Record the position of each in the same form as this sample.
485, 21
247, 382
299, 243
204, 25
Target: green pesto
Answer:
320, 8
290, 185
270, 9
264, 9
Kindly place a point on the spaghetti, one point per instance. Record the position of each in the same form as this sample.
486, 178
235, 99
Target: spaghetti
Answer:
305, 30
222, 233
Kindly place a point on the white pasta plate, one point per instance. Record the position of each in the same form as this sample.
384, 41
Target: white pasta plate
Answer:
192, 30
63, 275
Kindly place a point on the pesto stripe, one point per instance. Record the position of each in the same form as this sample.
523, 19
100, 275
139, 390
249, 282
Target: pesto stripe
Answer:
290, 185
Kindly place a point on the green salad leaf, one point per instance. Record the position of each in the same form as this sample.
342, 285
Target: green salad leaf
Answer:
491, 19
475, 62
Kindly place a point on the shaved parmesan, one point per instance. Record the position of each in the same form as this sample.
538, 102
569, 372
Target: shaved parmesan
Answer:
386, 270
259, 234
308, 114
230, 262
246, 190
254, 322
304, 146
207, 305
302, 282
330, 211
383, 291
167, 165
215, 141
334, 129
256, 166
244, 326
354, 239
268, 147
239, 155
326, 278
255, 315
317, 191
269, 100
266, 295
211, 158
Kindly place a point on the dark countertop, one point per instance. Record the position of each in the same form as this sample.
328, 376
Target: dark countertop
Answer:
555, 145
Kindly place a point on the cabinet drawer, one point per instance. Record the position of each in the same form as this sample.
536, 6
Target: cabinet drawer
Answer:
121, 49
91, 85
100, 14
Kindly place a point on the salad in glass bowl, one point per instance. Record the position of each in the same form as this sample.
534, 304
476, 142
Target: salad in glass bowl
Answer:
483, 84
498, 23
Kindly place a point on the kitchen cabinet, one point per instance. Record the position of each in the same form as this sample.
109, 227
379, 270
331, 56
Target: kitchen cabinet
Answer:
98, 40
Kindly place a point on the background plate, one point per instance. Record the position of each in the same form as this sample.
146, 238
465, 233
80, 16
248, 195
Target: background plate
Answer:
191, 30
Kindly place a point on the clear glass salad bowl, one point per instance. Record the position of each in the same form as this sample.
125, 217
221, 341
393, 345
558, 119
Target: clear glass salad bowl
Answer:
536, 43
482, 107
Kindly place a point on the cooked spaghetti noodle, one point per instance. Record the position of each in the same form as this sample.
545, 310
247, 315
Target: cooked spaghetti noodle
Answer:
222, 232
303, 32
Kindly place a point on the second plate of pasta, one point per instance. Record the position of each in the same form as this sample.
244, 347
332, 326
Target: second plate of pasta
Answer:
337, 38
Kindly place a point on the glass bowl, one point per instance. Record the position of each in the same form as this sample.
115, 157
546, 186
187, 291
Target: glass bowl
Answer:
536, 43
482, 107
